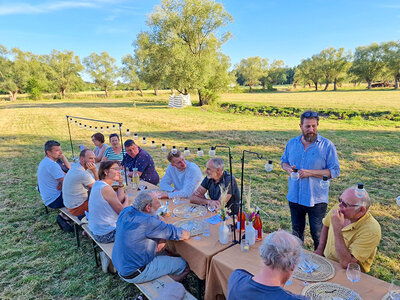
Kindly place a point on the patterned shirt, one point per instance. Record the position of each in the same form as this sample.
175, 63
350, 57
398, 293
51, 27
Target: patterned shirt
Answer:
110, 154
144, 164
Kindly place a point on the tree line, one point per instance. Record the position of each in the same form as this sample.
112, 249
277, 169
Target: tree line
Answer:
181, 50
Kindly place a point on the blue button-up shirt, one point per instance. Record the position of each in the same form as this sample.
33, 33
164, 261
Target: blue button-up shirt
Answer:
144, 163
136, 239
320, 155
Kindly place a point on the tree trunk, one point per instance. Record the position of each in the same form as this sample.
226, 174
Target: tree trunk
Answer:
294, 85
369, 84
251, 88
396, 82
106, 91
263, 85
62, 93
326, 86
316, 85
200, 98
309, 85
13, 95
141, 92
156, 91
334, 85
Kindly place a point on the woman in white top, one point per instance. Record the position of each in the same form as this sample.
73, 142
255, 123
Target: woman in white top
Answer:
98, 141
105, 204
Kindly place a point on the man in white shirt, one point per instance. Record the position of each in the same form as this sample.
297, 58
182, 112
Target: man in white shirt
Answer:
78, 181
50, 176
185, 176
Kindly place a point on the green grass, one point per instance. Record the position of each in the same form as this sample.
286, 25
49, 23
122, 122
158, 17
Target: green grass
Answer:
39, 261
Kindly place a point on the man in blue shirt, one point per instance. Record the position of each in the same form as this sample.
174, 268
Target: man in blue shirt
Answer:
138, 158
280, 253
314, 157
185, 176
140, 235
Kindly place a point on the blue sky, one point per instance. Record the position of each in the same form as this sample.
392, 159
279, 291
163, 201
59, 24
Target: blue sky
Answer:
289, 30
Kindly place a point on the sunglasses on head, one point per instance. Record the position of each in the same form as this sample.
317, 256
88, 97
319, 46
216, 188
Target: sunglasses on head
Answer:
346, 205
310, 114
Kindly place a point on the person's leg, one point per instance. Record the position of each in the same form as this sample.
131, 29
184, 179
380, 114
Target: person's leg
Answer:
315, 216
161, 265
80, 210
58, 203
298, 217
106, 238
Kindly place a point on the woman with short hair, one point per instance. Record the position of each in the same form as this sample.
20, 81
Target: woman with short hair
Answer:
115, 152
98, 141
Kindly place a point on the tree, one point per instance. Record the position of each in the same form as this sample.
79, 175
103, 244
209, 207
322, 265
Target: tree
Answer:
102, 69
64, 69
391, 60
277, 72
367, 63
252, 69
183, 43
130, 74
334, 64
309, 70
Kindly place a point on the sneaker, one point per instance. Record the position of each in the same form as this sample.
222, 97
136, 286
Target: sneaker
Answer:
105, 261
64, 225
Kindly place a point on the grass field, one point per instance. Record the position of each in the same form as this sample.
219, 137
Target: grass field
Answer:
39, 261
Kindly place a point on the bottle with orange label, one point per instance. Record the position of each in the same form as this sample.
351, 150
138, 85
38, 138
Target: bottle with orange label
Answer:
258, 226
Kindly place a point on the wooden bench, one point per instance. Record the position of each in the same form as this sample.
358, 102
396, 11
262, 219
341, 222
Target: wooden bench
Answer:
150, 289
77, 224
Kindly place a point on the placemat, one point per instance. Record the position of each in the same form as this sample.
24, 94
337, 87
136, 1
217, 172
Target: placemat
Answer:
194, 226
329, 291
189, 210
324, 272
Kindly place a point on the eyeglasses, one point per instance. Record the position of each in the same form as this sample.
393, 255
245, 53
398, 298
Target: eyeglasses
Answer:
346, 205
310, 114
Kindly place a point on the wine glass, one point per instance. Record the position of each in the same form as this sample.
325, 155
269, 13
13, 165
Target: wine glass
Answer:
353, 274
394, 289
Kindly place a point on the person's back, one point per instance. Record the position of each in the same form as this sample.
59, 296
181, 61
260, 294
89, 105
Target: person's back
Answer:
47, 174
242, 286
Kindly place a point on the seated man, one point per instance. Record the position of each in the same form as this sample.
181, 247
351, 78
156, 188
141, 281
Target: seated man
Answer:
186, 176
350, 234
138, 158
280, 253
139, 236
77, 183
50, 176
216, 179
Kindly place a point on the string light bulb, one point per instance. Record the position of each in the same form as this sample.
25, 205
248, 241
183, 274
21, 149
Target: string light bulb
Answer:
144, 141
101, 129
174, 150
76, 123
90, 128
127, 133
186, 152
294, 175
360, 191
163, 148
114, 128
108, 128
70, 120
95, 128
200, 152
268, 166
135, 136
84, 126
324, 183
211, 152
153, 145
80, 125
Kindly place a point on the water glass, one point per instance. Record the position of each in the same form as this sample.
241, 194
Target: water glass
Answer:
206, 230
353, 274
394, 289
175, 200
244, 245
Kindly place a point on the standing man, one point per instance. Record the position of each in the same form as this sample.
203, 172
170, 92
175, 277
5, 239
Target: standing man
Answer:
314, 157
77, 183
185, 176
138, 158
50, 176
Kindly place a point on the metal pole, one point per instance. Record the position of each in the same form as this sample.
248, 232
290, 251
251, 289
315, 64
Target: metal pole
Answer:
122, 145
70, 138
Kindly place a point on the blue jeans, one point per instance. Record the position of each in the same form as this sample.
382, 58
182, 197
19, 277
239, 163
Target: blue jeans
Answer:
315, 215
161, 265
58, 203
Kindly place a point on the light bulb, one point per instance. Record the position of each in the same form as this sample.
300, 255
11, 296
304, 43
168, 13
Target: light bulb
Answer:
135, 136
398, 200
101, 129
90, 128
153, 145
360, 191
163, 148
294, 175
95, 128
70, 120
84, 126
127, 133
211, 152
268, 166
200, 152
186, 152
108, 128
114, 128
324, 183
144, 141
174, 150
76, 123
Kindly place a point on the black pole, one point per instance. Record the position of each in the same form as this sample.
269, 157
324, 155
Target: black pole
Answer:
70, 138
122, 145
95, 120
259, 156
230, 170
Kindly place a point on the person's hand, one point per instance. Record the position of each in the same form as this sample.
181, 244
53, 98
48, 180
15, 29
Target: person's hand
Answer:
121, 180
303, 173
337, 220
130, 173
160, 245
59, 186
319, 251
162, 195
289, 169
161, 218
214, 204
91, 166
185, 235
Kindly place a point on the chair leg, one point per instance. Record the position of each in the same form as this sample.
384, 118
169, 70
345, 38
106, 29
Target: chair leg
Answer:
200, 288
76, 230
96, 254
46, 209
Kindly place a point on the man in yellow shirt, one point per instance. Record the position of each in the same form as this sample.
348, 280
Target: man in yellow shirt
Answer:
350, 234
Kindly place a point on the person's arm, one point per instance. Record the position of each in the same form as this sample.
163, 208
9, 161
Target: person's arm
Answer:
343, 253
189, 185
166, 181
322, 241
111, 197
65, 161
99, 156
157, 229
198, 197
92, 167
304, 173
287, 168
60, 183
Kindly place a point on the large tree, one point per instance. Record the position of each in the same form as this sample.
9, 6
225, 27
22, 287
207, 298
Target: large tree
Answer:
130, 74
391, 59
334, 64
309, 70
251, 69
102, 69
367, 63
277, 72
183, 44
64, 69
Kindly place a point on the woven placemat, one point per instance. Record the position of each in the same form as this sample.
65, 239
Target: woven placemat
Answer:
329, 291
194, 226
325, 271
189, 210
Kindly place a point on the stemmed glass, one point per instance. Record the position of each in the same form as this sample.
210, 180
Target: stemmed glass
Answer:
394, 289
353, 274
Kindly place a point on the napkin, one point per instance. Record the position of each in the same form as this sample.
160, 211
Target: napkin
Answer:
214, 219
308, 266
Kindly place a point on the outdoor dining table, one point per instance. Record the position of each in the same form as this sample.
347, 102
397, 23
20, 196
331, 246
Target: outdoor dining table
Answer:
225, 262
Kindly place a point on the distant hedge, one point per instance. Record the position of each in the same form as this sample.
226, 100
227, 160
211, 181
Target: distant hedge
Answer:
338, 114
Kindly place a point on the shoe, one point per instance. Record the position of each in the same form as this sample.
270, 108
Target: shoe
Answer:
64, 225
105, 261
